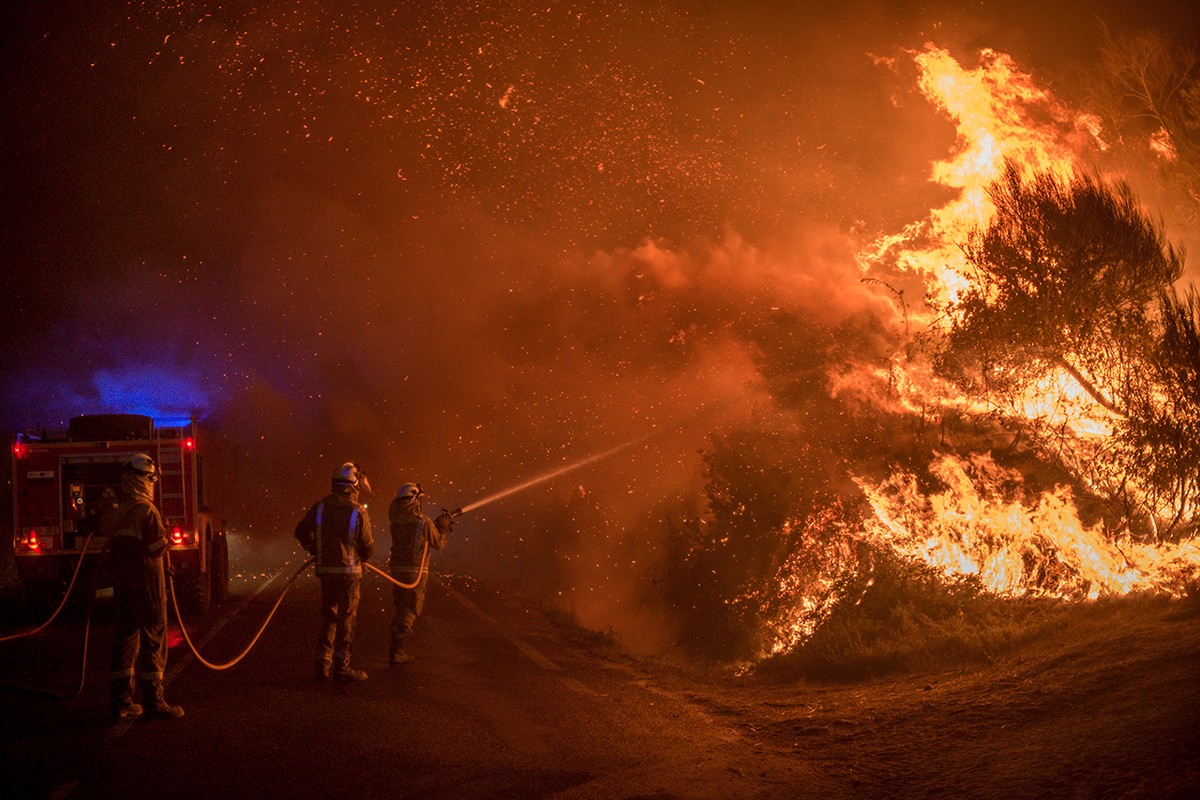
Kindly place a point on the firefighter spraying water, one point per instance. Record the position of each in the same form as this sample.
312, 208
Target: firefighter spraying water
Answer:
414, 533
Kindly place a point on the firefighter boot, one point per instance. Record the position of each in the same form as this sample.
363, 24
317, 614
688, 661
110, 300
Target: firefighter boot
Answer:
348, 673
397, 652
323, 670
126, 711
121, 700
157, 705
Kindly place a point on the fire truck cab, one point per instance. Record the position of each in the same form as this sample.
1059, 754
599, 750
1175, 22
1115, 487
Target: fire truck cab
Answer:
62, 480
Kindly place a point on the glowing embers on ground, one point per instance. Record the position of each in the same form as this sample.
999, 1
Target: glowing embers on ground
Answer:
982, 524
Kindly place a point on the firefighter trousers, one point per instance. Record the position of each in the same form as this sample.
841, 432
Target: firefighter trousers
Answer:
409, 603
139, 636
339, 609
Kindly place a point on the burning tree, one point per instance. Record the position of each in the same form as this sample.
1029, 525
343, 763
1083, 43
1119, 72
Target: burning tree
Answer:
1062, 278
1064, 283
1161, 432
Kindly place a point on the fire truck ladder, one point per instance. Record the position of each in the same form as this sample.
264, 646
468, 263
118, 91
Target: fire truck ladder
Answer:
173, 504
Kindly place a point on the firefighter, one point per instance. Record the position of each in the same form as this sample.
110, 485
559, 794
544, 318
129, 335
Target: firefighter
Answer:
413, 534
137, 550
338, 532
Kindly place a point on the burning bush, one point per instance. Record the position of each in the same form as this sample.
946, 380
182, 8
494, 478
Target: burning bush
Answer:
1008, 493
899, 616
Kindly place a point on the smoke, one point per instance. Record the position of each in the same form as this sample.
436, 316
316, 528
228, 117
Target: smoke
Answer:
465, 247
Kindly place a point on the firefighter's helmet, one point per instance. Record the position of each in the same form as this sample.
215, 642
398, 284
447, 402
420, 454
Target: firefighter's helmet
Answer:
351, 474
409, 491
142, 465
346, 474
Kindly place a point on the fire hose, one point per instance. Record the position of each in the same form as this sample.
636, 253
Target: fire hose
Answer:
253, 641
188, 639
87, 629
401, 584
453, 515
179, 619
62, 603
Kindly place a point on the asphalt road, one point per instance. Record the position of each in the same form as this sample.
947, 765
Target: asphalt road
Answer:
501, 703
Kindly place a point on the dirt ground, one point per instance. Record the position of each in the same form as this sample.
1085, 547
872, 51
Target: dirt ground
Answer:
1108, 707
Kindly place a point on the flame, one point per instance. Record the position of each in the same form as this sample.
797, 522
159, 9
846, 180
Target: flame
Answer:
809, 583
983, 520
1162, 145
999, 113
1016, 547
1057, 400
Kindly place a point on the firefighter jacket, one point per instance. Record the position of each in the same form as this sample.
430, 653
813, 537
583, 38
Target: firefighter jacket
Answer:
412, 534
135, 525
137, 543
338, 532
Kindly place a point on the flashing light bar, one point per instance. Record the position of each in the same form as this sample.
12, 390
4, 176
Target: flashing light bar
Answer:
19, 449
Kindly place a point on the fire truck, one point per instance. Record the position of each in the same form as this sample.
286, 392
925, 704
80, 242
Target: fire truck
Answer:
63, 480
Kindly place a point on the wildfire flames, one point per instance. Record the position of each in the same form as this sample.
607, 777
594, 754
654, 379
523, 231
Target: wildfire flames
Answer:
981, 519
1016, 545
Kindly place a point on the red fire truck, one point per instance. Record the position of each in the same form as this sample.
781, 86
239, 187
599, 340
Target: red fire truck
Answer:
62, 480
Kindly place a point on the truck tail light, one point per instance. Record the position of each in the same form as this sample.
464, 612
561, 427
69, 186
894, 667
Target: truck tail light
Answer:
182, 538
19, 449
29, 542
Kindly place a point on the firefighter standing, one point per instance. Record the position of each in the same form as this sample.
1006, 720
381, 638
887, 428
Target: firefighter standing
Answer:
137, 549
413, 534
338, 532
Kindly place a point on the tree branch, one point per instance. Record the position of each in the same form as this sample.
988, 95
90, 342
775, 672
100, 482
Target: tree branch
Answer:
1089, 387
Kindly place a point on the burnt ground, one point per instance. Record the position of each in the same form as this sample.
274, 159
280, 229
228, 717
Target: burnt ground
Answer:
1107, 705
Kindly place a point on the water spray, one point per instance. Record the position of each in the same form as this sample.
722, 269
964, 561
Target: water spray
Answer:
583, 462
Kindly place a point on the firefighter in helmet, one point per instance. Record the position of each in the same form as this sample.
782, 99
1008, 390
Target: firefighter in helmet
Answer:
338, 532
137, 549
413, 534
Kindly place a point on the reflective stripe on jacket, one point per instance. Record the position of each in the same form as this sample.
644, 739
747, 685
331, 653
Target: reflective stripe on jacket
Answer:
135, 525
411, 532
337, 531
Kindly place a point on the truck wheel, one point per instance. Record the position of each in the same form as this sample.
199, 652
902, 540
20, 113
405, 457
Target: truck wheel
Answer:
194, 593
219, 569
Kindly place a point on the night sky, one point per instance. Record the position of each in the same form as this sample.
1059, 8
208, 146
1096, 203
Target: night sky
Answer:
460, 243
